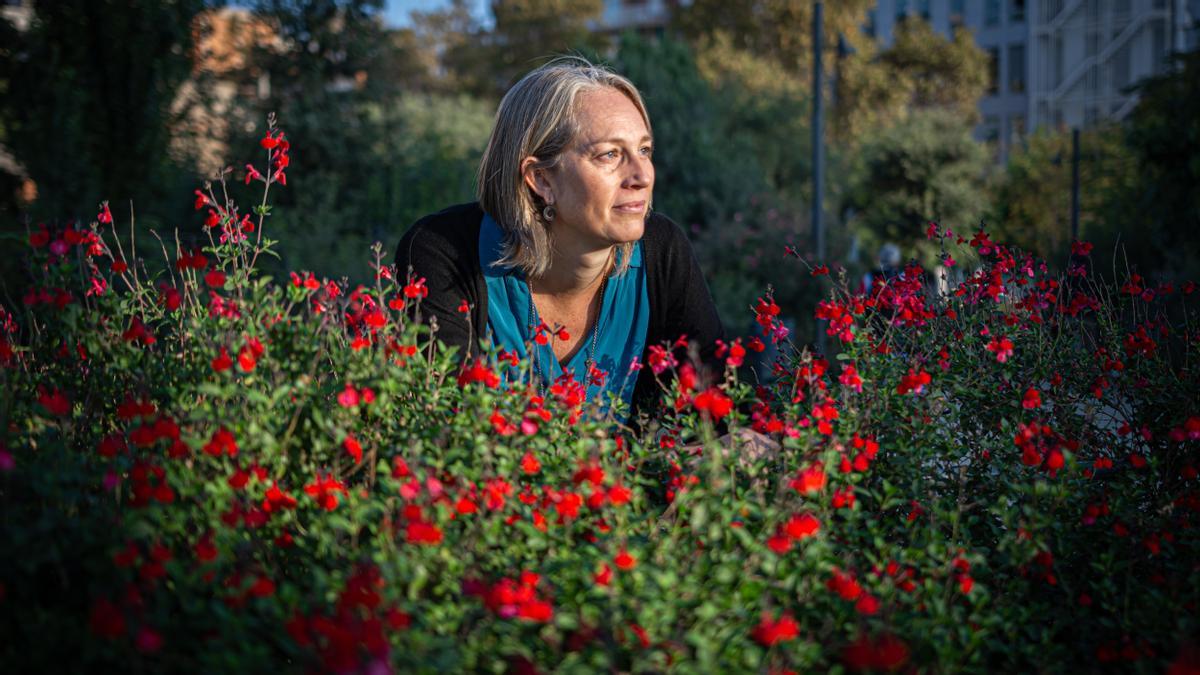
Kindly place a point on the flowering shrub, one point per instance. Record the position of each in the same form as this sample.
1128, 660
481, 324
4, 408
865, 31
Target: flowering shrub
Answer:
207, 469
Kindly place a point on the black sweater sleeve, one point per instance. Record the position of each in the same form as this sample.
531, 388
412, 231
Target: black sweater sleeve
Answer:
680, 304
443, 248
688, 306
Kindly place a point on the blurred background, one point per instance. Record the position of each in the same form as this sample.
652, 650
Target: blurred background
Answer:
959, 111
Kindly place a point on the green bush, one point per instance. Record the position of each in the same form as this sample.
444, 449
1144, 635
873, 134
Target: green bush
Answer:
209, 469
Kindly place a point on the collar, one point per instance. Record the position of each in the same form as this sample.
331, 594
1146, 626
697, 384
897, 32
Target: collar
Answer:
491, 248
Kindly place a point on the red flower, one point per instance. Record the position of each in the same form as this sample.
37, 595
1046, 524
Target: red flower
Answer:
530, 464
354, 448
262, 587
1002, 347
913, 382
222, 362
222, 442
809, 480
867, 605
802, 526
277, 500
770, 631
416, 289
420, 532
55, 402
885, 653
625, 561
538, 611
844, 585
714, 403
106, 619
324, 489
604, 576
215, 278
205, 550
478, 372
1032, 399
246, 359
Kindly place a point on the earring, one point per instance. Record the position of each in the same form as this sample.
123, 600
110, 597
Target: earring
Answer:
548, 213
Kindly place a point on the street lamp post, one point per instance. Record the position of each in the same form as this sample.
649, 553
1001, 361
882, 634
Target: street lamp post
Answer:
818, 158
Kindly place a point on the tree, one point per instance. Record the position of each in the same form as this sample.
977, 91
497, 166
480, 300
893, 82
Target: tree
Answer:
88, 106
778, 31
525, 34
927, 167
1164, 137
702, 174
921, 69
1031, 197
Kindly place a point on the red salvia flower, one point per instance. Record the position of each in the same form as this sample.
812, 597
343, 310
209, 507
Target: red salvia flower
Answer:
324, 489
770, 632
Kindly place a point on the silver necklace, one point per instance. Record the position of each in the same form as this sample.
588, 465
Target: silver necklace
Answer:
535, 320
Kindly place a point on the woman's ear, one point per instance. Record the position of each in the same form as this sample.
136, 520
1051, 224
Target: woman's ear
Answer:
536, 179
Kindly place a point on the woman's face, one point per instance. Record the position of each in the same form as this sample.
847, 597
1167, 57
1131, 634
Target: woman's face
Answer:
602, 184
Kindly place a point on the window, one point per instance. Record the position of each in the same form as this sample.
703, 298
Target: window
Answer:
1016, 128
993, 70
1058, 61
1090, 116
1158, 52
923, 9
1050, 10
958, 13
1016, 11
1120, 10
1016, 68
1093, 43
901, 10
1121, 67
991, 13
991, 129
869, 28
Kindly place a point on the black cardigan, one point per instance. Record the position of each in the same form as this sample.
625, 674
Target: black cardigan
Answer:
444, 248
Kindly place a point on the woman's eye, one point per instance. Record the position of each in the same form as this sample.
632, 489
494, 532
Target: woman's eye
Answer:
647, 150
611, 154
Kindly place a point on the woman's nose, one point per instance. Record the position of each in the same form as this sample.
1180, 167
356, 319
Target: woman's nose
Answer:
640, 173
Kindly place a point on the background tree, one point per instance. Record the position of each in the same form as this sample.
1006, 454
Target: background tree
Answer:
1031, 196
920, 69
524, 34
87, 109
1164, 205
927, 167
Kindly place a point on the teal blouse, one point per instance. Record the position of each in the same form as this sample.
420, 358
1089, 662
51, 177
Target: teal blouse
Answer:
620, 338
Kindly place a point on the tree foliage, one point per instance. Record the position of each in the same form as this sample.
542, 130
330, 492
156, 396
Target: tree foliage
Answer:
1164, 137
90, 89
920, 69
925, 168
1031, 197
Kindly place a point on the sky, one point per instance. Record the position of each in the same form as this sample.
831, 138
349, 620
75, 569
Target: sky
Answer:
398, 10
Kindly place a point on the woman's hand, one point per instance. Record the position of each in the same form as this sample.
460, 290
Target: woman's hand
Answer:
746, 445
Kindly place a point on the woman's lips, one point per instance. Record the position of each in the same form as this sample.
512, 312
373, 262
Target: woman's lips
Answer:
631, 207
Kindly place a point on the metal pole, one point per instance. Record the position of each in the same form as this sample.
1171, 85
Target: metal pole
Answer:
818, 158
1075, 184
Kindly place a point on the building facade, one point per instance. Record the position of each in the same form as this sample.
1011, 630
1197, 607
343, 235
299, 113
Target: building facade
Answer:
1056, 63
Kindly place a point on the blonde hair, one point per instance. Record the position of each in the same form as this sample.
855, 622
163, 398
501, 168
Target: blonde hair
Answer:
538, 117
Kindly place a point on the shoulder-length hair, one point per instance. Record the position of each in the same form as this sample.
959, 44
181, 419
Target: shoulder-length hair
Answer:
539, 117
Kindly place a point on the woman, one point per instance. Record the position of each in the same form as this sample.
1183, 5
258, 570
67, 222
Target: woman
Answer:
562, 246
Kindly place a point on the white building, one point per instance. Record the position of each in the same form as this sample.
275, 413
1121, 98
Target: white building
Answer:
649, 17
1062, 63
